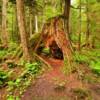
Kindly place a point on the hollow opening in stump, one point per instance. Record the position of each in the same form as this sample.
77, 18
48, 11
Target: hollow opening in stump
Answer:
56, 52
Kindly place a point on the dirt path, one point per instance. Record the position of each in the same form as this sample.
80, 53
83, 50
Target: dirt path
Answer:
46, 87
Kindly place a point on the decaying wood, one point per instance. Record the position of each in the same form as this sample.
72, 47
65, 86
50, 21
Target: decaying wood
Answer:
44, 61
56, 33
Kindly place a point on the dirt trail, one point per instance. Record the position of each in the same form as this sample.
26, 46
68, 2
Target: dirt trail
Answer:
46, 88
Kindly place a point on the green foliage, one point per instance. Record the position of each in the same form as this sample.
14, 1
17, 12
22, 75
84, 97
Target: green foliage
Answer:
80, 58
12, 46
46, 51
13, 84
11, 64
7, 53
91, 57
94, 60
4, 76
12, 49
93, 53
95, 65
33, 68
3, 53
11, 97
24, 80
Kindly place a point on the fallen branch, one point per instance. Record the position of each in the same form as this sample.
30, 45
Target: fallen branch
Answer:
44, 61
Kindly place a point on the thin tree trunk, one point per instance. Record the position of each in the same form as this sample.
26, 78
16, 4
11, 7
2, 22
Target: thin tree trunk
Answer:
12, 36
67, 50
88, 24
36, 24
30, 22
16, 27
66, 21
4, 34
79, 39
22, 29
66, 16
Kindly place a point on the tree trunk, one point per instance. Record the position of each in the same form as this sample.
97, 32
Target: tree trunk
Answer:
88, 24
36, 24
30, 21
22, 29
66, 23
4, 34
79, 39
67, 49
66, 15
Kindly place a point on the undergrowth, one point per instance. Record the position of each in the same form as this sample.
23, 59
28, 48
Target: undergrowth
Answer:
91, 58
31, 71
4, 77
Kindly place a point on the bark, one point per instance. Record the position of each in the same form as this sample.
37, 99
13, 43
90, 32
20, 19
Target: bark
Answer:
30, 22
63, 43
66, 21
12, 36
79, 39
36, 24
66, 26
22, 29
4, 34
88, 24
66, 15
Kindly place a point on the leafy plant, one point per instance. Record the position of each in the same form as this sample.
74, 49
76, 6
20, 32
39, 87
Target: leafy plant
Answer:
33, 68
2, 53
80, 58
95, 65
11, 97
4, 76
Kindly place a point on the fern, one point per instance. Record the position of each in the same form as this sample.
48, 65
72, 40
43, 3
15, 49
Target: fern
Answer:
95, 65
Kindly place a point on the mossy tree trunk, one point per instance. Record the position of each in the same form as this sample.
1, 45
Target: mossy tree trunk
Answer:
22, 29
80, 22
88, 24
4, 35
67, 50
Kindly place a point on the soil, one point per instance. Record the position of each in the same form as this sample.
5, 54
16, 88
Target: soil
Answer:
48, 86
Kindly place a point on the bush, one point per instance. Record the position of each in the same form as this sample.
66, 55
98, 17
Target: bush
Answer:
3, 77
33, 68
2, 53
81, 58
95, 65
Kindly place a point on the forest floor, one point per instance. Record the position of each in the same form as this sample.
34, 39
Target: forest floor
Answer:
55, 85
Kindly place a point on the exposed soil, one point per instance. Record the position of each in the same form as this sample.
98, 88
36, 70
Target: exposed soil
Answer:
47, 86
